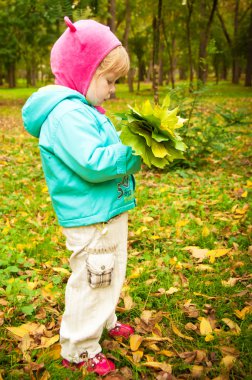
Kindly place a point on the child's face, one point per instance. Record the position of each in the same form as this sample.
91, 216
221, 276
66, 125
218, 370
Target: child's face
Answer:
100, 88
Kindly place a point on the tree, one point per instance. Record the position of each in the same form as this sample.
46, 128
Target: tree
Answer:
204, 37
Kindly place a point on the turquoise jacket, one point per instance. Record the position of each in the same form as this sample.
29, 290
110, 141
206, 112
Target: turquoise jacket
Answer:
87, 169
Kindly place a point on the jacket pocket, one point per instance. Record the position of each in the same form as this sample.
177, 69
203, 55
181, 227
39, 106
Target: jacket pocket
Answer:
99, 269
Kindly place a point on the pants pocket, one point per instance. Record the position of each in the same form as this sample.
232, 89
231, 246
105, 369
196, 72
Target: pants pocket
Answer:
99, 269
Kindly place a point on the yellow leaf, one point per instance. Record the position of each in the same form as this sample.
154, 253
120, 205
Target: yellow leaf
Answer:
205, 327
244, 194
157, 339
25, 342
128, 302
204, 295
163, 366
241, 314
136, 273
47, 342
230, 282
232, 325
204, 267
141, 230
61, 270
146, 316
172, 290
209, 338
137, 356
22, 330
135, 342
228, 362
147, 219
217, 253
197, 371
177, 332
55, 351
181, 223
205, 231
155, 237
249, 184
167, 353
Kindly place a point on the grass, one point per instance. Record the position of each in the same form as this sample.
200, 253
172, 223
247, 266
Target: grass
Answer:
168, 293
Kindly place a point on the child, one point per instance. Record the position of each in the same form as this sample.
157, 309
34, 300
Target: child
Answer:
89, 176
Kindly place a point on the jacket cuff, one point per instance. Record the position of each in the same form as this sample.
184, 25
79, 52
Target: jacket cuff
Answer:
122, 160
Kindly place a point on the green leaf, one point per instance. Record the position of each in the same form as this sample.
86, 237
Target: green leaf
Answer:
166, 102
158, 149
27, 310
151, 132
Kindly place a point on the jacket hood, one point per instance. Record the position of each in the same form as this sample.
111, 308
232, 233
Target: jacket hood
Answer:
41, 103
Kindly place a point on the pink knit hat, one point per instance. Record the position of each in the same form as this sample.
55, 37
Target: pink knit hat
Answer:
78, 52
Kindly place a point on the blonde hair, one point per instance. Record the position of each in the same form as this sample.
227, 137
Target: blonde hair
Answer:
117, 61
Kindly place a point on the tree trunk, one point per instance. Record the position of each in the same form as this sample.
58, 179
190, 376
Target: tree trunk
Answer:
11, 74
156, 39
161, 65
189, 45
112, 15
1, 75
131, 74
204, 36
170, 50
248, 77
128, 24
235, 63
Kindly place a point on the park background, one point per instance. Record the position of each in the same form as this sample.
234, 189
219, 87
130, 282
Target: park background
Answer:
188, 287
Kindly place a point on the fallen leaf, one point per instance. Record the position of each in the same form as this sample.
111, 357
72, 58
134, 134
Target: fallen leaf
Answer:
232, 325
205, 231
230, 282
25, 343
205, 327
209, 338
217, 253
197, 371
47, 342
163, 366
191, 326
197, 252
54, 352
177, 332
137, 356
227, 350
128, 302
146, 316
135, 342
61, 270
167, 353
228, 362
241, 314
22, 330
147, 219
171, 290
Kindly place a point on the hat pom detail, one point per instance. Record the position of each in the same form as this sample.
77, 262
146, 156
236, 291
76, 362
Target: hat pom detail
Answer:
70, 24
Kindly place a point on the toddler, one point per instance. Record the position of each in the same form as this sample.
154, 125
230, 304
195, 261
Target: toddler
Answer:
89, 174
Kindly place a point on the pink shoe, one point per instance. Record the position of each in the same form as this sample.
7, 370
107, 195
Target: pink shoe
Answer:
99, 364
121, 330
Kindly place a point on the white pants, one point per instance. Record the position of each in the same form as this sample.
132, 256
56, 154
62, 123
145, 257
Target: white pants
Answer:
88, 310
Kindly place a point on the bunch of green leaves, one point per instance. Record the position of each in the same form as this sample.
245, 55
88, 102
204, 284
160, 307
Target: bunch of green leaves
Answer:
152, 132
